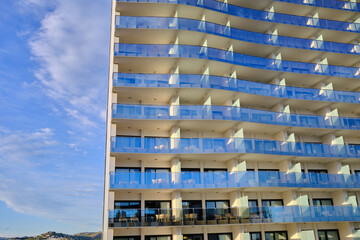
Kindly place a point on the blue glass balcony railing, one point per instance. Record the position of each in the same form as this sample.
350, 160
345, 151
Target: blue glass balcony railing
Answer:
335, 4
160, 145
230, 84
266, 16
200, 180
198, 52
223, 216
187, 112
237, 34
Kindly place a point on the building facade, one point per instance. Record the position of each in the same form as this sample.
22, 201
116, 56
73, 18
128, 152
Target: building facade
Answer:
233, 120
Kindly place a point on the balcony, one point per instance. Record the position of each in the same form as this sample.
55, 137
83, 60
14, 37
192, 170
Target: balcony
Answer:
188, 217
214, 54
265, 16
230, 84
245, 179
334, 4
187, 112
234, 33
160, 145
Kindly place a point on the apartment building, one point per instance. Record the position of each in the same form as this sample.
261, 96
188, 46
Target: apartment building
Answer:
233, 120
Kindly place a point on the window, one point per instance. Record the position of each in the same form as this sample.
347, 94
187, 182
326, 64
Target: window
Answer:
127, 238
280, 235
220, 236
254, 209
323, 202
272, 203
127, 205
328, 235
193, 237
155, 208
216, 209
255, 236
266, 212
192, 210
190, 170
158, 204
127, 210
159, 237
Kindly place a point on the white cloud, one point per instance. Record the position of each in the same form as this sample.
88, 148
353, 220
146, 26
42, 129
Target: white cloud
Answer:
72, 49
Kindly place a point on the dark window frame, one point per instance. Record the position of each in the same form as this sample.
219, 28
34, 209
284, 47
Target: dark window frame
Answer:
328, 230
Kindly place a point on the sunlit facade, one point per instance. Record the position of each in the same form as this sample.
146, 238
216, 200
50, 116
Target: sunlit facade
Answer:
233, 120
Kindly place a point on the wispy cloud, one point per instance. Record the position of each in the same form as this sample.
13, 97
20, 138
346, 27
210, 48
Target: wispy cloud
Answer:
71, 48
59, 191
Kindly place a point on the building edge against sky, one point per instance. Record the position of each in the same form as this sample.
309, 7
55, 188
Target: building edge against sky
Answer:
233, 120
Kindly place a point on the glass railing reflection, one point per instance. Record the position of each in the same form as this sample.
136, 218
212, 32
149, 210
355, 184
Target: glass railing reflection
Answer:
219, 216
266, 16
191, 112
241, 179
231, 84
161, 145
234, 33
335, 4
214, 54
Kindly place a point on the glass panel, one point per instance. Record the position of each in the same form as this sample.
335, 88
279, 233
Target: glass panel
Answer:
333, 235
322, 235
255, 236
224, 236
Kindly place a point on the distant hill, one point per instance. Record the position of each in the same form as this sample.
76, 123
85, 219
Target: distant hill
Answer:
61, 236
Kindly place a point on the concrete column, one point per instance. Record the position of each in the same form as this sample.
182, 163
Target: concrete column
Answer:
113, 130
109, 234
142, 234
111, 200
174, 137
112, 164
345, 230
175, 170
142, 169
235, 197
294, 232
238, 233
205, 232
339, 197
203, 206
177, 234
174, 105
289, 198
176, 204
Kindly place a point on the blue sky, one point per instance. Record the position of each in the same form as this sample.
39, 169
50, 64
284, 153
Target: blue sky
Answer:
53, 86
